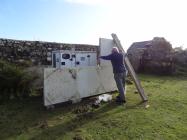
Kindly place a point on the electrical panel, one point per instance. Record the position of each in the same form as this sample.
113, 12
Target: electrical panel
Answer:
70, 59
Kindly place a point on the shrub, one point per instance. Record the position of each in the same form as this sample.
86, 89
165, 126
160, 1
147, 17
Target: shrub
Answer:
14, 81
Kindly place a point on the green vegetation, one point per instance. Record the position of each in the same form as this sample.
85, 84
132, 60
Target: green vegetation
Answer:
165, 119
14, 81
180, 70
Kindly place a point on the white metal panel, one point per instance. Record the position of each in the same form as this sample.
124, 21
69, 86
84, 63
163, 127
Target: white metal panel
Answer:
81, 59
92, 61
61, 85
85, 59
106, 46
88, 81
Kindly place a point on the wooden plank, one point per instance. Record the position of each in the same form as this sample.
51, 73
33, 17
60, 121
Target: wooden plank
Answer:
130, 69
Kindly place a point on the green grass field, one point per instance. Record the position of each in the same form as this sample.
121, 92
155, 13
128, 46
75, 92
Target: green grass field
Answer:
165, 119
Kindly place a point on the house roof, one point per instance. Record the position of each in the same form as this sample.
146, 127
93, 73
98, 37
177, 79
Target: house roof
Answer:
143, 44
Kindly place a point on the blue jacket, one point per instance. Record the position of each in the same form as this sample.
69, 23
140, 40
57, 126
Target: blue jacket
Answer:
117, 60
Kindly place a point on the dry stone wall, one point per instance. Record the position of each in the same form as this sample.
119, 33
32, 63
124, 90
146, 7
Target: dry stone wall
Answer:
35, 52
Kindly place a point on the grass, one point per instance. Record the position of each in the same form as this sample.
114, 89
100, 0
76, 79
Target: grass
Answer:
165, 119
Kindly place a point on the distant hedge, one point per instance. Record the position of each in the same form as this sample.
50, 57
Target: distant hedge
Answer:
14, 81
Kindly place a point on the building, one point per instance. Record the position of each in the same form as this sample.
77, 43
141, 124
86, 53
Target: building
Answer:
154, 56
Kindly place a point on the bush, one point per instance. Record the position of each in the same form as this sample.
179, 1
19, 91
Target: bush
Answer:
14, 81
180, 70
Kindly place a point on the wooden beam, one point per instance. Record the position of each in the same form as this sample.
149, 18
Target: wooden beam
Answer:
130, 69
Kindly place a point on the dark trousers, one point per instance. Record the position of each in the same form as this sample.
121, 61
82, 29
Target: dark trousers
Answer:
120, 82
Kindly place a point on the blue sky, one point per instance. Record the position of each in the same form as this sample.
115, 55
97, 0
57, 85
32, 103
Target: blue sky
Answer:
45, 20
84, 21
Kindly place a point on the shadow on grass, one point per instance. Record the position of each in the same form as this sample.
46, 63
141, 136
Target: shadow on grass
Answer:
81, 119
18, 117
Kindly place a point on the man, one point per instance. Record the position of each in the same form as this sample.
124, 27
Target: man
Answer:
119, 70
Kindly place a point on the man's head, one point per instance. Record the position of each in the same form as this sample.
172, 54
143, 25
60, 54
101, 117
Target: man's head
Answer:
115, 49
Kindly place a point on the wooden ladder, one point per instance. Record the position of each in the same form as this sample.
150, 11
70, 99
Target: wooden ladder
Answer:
130, 69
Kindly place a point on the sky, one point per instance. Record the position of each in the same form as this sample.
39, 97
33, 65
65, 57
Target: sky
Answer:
85, 21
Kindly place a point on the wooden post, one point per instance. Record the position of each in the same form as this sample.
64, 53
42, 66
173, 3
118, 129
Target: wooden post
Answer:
130, 69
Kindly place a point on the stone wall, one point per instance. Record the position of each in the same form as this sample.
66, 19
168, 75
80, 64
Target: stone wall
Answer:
180, 57
35, 52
